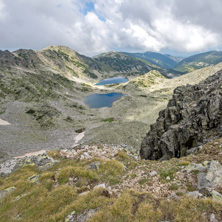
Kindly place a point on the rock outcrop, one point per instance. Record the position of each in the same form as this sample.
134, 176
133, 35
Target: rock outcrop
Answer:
41, 162
192, 118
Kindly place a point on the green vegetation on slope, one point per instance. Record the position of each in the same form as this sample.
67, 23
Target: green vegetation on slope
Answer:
115, 188
199, 61
155, 58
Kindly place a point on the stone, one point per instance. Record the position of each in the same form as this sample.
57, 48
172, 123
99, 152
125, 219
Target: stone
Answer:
34, 179
84, 193
4, 193
212, 178
100, 186
213, 218
202, 181
81, 217
196, 167
205, 191
153, 173
167, 178
173, 196
192, 150
8, 167
214, 174
86, 155
193, 113
195, 194
94, 166
216, 196
41, 162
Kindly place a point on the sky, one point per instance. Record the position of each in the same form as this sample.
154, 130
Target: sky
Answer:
179, 27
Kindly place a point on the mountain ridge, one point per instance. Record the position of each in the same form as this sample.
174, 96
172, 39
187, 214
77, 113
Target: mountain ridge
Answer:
199, 61
155, 58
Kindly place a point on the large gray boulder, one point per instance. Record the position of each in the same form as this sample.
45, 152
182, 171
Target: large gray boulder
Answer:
193, 116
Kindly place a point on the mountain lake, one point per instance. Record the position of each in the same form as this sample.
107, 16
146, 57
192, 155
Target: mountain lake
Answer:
102, 100
113, 81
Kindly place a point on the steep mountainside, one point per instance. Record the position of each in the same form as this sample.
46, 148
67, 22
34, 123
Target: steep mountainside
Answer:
155, 58
193, 117
199, 61
174, 58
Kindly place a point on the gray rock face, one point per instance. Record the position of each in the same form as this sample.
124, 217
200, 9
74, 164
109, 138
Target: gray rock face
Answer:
192, 117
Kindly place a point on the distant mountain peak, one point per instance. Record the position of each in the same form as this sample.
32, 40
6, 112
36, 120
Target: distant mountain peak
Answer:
56, 48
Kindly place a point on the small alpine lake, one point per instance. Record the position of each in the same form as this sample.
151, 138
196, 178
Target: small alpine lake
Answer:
113, 80
102, 100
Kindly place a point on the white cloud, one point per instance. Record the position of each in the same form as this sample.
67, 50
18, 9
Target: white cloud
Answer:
134, 25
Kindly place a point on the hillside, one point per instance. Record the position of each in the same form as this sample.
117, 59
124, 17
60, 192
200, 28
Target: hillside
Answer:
155, 58
114, 62
177, 59
109, 183
199, 61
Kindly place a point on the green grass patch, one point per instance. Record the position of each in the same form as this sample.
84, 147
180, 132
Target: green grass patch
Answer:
80, 173
110, 120
142, 181
173, 186
167, 172
111, 171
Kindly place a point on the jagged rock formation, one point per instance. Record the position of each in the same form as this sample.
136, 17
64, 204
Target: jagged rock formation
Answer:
193, 116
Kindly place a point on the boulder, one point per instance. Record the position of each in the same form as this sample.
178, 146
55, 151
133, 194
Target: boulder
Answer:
41, 162
216, 196
8, 167
153, 173
195, 194
34, 179
81, 217
4, 193
94, 166
214, 174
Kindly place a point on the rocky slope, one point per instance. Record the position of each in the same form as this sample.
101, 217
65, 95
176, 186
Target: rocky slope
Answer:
193, 116
110, 183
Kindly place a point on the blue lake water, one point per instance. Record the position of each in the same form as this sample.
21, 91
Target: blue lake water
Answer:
102, 100
113, 80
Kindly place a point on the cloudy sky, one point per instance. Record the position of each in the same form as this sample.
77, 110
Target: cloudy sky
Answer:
95, 26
